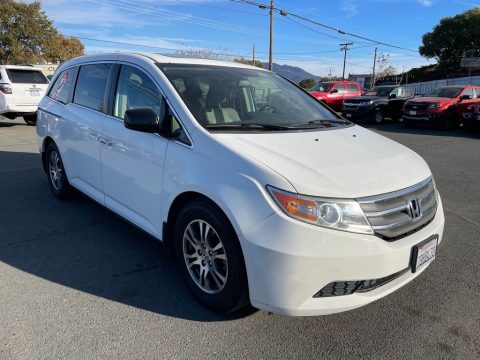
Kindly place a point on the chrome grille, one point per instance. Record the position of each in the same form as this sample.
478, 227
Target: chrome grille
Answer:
400, 213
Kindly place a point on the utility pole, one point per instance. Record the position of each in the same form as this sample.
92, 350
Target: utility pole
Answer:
345, 47
270, 60
253, 54
372, 82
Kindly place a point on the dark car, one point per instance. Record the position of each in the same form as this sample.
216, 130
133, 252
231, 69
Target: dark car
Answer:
471, 117
378, 103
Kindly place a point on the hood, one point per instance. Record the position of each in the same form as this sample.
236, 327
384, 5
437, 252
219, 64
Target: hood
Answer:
341, 163
431, 100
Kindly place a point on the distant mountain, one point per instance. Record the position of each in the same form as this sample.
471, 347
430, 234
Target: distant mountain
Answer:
292, 73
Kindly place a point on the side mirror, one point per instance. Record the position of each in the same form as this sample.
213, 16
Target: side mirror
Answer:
143, 119
334, 91
465, 97
392, 96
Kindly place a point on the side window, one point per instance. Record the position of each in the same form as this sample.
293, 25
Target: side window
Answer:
340, 88
135, 90
398, 91
60, 91
469, 91
91, 86
352, 88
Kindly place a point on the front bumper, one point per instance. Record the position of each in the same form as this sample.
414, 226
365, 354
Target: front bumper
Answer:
288, 262
361, 112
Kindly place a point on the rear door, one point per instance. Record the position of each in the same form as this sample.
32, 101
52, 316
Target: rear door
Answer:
133, 161
28, 86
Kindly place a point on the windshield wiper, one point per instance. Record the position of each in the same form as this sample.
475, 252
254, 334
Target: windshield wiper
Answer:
320, 123
253, 126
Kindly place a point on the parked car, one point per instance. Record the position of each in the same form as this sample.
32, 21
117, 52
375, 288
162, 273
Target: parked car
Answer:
275, 200
443, 106
471, 118
21, 88
378, 103
334, 93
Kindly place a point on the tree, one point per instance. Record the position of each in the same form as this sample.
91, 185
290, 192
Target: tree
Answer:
383, 68
27, 35
453, 38
250, 62
307, 83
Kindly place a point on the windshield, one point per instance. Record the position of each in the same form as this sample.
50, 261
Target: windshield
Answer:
230, 98
322, 87
379, 91
445, 92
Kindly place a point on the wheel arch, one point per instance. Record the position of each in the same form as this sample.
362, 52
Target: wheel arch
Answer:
46, 142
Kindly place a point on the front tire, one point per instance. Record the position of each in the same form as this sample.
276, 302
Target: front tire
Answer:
378, 117
57, 177
210, 258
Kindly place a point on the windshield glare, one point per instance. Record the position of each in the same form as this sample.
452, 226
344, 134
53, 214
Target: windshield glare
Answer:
217, 96
322, 87
446, 92
379, 91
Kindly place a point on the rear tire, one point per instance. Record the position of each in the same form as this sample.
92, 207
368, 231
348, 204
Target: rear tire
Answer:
210, 258
57, 177
30, 119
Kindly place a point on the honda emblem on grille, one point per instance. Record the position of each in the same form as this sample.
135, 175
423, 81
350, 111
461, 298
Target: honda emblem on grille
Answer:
414, 210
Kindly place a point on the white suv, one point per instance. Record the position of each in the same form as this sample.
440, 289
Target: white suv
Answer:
21, 88
265, 194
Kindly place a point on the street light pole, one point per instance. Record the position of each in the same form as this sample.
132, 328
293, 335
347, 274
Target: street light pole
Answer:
345, 48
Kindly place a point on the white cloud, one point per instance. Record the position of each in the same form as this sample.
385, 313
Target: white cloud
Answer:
350, 7
425, 3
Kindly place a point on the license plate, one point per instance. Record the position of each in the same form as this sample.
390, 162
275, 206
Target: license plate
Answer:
349, 115
413, 112
34, 93
424, 253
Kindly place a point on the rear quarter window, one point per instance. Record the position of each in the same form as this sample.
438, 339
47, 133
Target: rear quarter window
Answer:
17, 76
62, 87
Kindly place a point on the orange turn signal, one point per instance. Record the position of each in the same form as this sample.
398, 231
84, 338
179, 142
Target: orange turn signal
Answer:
297, 207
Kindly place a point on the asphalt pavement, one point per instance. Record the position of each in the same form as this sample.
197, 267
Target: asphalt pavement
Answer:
77, 282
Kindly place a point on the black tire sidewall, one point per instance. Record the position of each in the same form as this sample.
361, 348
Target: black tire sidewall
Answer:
235, 293
65, 190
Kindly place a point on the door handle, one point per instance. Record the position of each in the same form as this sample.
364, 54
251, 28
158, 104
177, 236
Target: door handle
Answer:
105, 142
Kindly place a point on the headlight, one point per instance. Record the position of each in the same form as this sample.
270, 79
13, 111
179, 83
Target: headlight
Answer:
343, 215
434, 106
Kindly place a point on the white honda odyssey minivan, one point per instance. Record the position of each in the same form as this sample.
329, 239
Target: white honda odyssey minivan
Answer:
266, 195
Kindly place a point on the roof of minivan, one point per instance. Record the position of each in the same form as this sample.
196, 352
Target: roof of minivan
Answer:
20, 67
165, 59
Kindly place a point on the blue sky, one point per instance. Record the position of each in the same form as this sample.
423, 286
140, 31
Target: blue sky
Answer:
230, 27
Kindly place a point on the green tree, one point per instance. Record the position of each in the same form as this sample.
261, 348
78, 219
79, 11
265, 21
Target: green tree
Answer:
307, 83
27, 35
453, 38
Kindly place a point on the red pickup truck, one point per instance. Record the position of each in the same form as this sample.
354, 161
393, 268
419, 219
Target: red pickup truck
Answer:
333, 93
443, 106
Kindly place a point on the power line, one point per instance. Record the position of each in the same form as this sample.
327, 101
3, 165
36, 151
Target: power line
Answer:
328, 26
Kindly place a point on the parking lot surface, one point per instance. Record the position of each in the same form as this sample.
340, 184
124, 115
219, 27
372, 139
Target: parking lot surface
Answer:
77, 282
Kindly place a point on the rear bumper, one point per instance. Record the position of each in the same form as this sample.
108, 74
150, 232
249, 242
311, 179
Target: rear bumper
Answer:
288, 262
19, 109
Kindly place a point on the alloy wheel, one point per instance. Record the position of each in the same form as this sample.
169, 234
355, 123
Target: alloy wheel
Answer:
55, 170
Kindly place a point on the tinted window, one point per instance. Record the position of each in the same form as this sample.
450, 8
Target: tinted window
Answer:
91, 86
135, 90
26, 76
379, 91
352, 88
447, 92
60, 91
